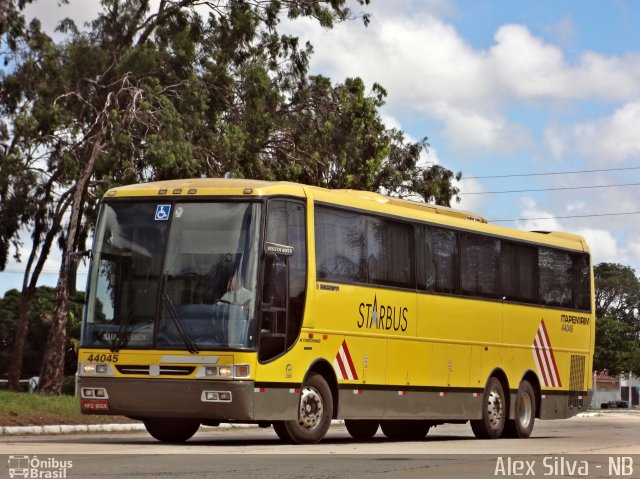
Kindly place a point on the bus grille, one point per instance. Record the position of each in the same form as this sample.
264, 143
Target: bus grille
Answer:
576, 381
156, 370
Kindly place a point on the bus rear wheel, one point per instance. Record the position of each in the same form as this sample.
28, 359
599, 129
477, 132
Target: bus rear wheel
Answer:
315, 411
361, 428
494, 412
405, 430
170, 429
521, 426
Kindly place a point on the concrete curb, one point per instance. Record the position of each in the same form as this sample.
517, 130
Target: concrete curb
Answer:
68, 429
83, 428
87, 428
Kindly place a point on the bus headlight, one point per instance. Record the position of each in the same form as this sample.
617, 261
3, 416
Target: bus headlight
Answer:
239, 371
95, 369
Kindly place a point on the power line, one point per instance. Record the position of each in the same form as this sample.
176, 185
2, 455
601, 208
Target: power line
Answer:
519, 175
564, 217
548, 189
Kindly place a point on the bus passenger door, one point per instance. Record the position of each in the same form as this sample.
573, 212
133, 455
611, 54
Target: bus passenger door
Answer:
284, 278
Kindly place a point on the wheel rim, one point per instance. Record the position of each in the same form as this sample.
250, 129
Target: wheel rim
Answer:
495, 409
311, 408
525, 411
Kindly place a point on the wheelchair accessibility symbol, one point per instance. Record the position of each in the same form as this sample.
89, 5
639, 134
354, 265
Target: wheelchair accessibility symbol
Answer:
162, 212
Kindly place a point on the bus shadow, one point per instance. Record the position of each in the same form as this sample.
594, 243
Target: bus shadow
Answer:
257, 438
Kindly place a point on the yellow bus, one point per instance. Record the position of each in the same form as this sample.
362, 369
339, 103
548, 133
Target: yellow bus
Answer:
274, 303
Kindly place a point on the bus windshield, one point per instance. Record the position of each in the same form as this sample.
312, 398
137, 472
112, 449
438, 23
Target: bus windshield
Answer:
174, 276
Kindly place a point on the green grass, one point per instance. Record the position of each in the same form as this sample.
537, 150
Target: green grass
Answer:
25, 409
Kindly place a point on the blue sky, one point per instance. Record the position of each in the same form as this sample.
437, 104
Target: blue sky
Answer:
499, 87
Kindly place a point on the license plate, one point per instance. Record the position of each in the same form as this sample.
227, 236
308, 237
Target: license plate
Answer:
95, 404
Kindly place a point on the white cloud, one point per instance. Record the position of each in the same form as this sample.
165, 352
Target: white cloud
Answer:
429, 68
538, 217
633, 248
466, 130
50, 13
473, 203
429, 157
390, 121
604, 246
527, 67
611, 139
532, 70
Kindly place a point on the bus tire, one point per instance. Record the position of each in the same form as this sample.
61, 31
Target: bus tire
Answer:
405, 430
494, 412
315, 411
521, 426
361, 428
170, 429
282, 432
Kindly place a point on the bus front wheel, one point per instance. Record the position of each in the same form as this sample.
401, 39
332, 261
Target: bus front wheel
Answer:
521, 425
171, 430
315, 410
494, 412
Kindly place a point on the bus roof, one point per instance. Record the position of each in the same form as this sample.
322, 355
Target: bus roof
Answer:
366, 200
208, 187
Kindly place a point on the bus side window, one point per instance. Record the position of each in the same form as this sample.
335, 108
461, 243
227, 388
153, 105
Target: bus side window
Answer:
390, 246
520, 276
444, 244
556, 278
582, 285
479, 265
341, 238
425, 261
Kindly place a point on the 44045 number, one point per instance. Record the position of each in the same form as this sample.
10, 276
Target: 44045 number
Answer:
102, 358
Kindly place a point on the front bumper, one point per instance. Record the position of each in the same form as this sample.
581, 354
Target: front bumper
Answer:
138, 398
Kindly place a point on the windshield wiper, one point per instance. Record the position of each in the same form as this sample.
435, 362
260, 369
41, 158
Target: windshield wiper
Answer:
177, 320
121, 334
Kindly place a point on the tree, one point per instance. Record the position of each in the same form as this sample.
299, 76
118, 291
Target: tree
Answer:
147, 94
617, 326
617, 292
40, 318
617, 346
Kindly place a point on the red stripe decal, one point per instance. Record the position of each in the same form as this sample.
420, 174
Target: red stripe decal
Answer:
348, 355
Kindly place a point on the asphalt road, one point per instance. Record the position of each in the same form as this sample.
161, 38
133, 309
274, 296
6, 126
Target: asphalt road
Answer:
601, 446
